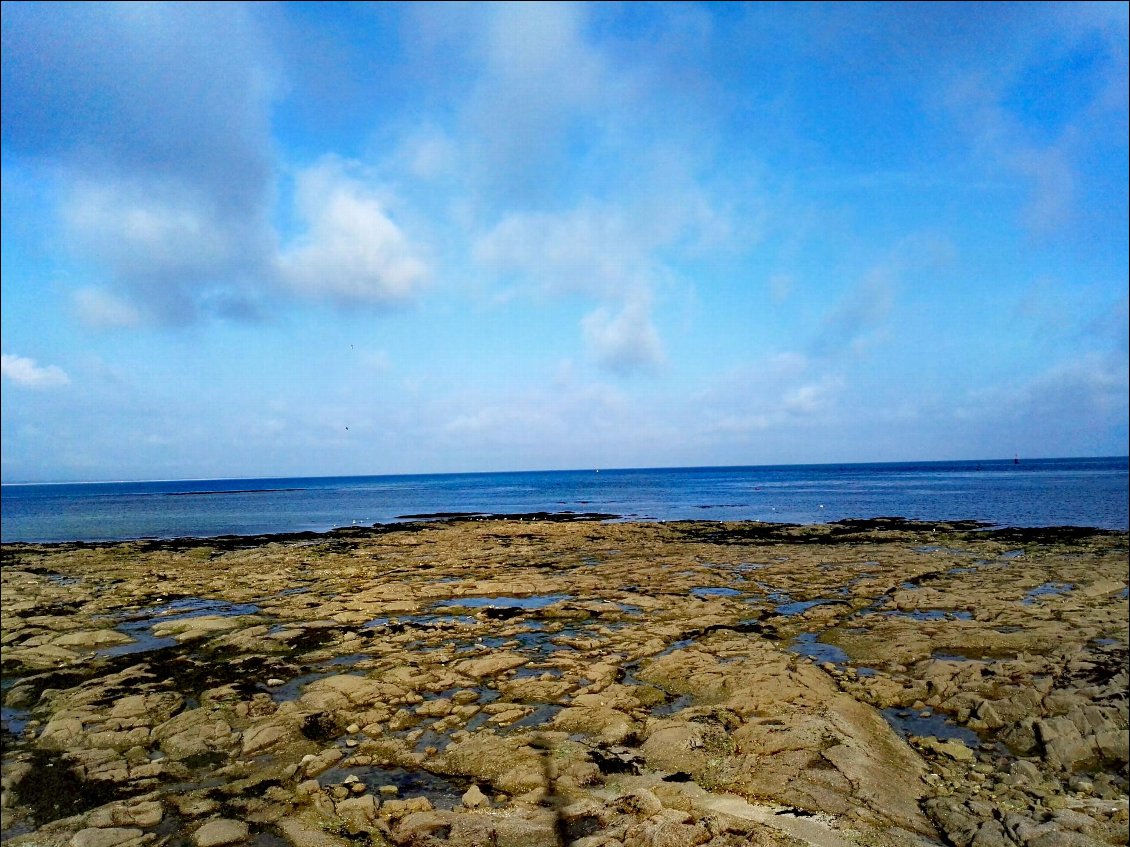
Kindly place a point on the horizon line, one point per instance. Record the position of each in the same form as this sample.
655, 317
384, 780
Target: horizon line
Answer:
548, 470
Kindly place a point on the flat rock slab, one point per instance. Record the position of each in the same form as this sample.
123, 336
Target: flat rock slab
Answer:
221, 831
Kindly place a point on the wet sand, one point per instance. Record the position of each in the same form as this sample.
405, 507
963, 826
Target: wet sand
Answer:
569, 680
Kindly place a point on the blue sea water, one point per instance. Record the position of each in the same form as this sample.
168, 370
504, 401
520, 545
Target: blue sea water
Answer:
1043, 492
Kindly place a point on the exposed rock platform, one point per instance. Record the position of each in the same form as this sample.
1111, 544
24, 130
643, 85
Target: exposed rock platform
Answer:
551, 680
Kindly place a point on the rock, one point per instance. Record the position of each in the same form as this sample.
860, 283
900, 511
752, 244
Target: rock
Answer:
256, 739
418, 827
60, 733
529, 828
954, 748
400, 808
491, 664
301, 834
356, 690
108, 837
358, 812
92, 639
609, 725
991, 834
438, 708
661, 832
191, 629
194, 806
145, 815
1061, 838
638, 803
473, 798
323, 761
1063, 744
193, 732
220, 831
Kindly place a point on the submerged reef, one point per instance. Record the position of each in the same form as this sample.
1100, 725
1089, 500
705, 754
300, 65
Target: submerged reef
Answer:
570, 680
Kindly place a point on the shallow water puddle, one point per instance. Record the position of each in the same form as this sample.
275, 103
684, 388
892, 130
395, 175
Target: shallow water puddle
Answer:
194, 607
799, 607
144, 640
676, 704
533, 602
139, 624
808, 644
14, 720
704, 593
292, 689
749, 567
443, 792
971, 654
907, 723
59, 579
1048, 589
931, 614
542, 714
424, 621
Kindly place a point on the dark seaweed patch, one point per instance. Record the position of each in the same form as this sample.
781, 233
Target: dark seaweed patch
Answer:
209, 759
615, 762
52, 790
580, 827
311, 639
321, 726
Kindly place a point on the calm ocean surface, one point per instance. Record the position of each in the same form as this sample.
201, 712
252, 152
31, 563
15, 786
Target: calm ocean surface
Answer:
1042, 492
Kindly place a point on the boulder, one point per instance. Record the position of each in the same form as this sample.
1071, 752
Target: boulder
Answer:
220, 831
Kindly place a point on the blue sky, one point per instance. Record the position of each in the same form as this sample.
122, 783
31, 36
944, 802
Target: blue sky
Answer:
320, 239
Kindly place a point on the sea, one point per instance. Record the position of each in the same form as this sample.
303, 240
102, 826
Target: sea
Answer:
1089, 492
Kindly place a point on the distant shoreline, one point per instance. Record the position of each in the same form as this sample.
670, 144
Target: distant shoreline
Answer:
749, 530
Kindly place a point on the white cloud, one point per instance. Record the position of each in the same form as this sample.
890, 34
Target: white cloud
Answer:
169, 249
810, 398
156, 122
27, 373
625, 340
102, 310
352, 252
592, 249
781, 391
539, 77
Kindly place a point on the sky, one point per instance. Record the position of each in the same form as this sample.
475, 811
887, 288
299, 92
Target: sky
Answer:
308, 239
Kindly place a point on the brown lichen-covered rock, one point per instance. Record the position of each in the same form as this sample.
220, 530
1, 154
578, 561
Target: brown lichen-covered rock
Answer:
219, 832
660, 684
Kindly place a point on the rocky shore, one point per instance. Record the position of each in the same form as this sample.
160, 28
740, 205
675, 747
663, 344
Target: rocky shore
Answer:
545, 681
